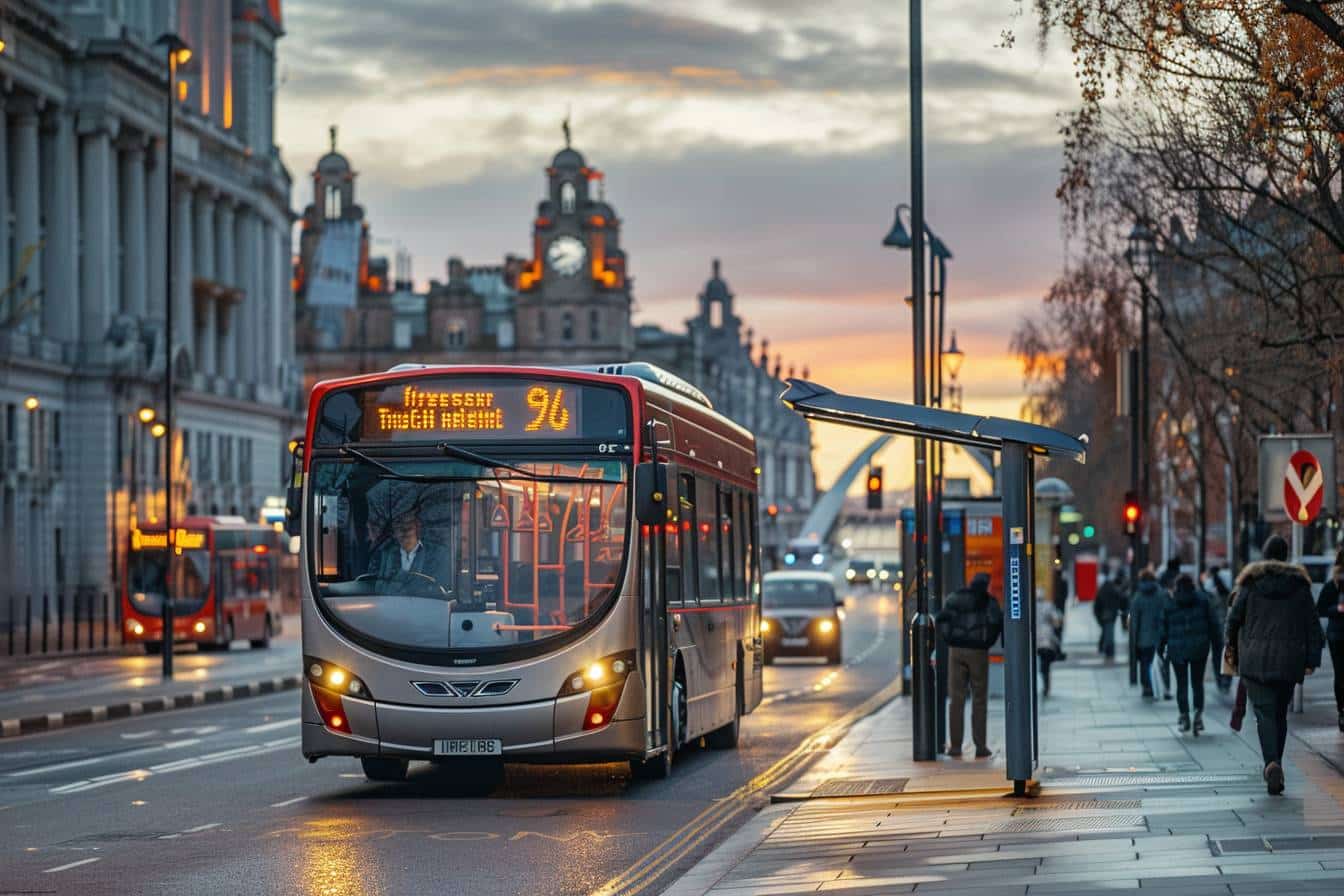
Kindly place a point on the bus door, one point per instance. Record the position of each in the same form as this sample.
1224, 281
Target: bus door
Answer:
653, 634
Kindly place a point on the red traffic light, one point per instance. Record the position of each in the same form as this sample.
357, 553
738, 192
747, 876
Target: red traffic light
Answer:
874, 488
1133, 513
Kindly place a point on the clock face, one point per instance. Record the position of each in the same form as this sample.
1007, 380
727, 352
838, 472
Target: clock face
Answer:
566, 255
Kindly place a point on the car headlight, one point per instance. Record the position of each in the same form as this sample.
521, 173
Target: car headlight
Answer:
850, 574
872, 573
765, 626
884, 575
826, 626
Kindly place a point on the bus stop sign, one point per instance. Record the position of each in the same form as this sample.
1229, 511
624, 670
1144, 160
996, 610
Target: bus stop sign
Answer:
1303, 487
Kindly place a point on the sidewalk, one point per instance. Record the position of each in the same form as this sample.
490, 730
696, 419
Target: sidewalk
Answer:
1126, 803
41, 693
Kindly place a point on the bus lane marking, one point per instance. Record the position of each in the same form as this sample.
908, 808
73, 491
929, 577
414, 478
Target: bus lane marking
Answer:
111, 757
69, 865
180, 765
289, 802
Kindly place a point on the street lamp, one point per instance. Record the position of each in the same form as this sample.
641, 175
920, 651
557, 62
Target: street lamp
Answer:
146, 415
176, 53
953, 358
32, 403
1141, 254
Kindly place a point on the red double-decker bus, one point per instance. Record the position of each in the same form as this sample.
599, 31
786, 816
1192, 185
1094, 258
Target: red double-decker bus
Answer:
226, 576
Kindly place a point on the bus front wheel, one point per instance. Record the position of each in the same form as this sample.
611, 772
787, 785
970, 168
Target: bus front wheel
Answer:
659, 767
382, 768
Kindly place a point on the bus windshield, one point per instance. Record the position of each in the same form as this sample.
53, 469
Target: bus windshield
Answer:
190, 579
444, 556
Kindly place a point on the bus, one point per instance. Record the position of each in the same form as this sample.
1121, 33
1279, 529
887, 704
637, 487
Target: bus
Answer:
524, 564
226, 577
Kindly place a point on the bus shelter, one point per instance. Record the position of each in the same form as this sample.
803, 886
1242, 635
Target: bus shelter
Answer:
1019, 444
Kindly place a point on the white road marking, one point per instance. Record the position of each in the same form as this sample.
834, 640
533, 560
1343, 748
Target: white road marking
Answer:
180, 765
289, 802
93, 760
203, 827
270, 726
69, 865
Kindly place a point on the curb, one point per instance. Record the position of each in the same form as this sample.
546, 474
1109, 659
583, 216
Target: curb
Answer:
131, 708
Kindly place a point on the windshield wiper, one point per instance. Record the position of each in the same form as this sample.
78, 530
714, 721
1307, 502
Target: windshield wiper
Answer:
469, 455
462, 454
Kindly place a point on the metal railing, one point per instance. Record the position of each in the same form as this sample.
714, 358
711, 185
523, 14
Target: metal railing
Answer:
82, 622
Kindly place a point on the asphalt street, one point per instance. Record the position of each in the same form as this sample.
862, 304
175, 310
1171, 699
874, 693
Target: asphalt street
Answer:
218, 799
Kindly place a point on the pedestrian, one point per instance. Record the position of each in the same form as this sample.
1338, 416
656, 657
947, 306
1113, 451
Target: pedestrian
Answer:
1276, 640
1049, 626
1110, 604
1169, 573
971, 621
1145, 627
1219, 598
1189, 629
1330, 607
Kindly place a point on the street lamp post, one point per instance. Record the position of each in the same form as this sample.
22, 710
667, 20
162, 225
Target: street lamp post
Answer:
953, 358
176, 52
1140, 255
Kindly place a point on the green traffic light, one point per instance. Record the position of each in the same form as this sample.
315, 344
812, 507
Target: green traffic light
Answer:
1089, 531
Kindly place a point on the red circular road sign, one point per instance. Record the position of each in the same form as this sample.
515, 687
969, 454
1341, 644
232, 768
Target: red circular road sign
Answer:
1303, 487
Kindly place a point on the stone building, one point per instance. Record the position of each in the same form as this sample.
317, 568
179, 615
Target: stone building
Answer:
83, 207
568, 303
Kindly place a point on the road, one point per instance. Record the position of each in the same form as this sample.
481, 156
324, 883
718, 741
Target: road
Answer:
219, 800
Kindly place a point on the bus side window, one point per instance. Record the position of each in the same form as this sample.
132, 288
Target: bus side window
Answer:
707, 536
742, 528
726, 532
749, 532
690, 549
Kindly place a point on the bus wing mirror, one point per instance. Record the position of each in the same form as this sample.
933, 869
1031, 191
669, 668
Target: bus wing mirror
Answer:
651, 493
294, 493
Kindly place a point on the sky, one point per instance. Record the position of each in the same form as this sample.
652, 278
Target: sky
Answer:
772, 134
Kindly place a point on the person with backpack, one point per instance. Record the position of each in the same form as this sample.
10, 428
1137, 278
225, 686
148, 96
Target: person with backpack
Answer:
1110, 605
1189, 628
1275, 641
1330, 607
970, 621
1145, 627
1049, 627
1220, 596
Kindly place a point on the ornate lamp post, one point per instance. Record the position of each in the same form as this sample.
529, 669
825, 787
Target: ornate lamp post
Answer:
1141, 257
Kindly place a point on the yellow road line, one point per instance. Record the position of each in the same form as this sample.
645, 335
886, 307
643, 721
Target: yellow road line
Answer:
662, 857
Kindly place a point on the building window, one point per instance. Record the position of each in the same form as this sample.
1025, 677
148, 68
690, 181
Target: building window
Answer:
541, 325
567, 327
456, 335
567, 198
333, 204
225, 459
594, 325
203, 472
401, 334
245, 461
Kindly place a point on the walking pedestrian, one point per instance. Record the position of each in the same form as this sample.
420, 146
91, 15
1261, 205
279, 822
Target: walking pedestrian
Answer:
1049, 626
1219, 598
970, 622
1169, 573
1145, 627
1111, 602
1189, 628
1276, 638
1330, 607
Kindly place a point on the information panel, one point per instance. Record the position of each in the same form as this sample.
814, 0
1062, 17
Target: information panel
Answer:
506, 410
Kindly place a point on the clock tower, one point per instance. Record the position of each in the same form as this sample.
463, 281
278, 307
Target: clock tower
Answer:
573, 294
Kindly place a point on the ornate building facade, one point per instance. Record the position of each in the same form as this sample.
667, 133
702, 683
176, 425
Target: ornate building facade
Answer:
82, 268
567, 303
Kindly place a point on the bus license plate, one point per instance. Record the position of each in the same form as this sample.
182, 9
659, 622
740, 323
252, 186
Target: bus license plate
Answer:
468, 746
793, 642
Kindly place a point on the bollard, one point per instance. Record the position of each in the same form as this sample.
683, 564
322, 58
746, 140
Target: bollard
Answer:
106, 619
28, 625
88, 617
11, 625
46, 619
60, 622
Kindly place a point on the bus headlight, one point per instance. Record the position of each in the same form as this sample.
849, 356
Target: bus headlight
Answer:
609, 670
137, 629
331, 677
199, 628
765, 626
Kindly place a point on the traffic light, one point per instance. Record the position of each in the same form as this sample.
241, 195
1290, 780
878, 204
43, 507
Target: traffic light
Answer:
1133, 513
874, 488
1089, 531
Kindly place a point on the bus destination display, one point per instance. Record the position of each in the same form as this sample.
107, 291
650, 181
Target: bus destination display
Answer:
545, 410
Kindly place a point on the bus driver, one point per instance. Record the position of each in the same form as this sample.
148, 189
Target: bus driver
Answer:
405, 552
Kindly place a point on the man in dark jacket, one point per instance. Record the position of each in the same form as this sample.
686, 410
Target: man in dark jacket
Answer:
1169, 573
1110, 604
1330, 607
1189, 630
1145, 627
970, 622
1277, 640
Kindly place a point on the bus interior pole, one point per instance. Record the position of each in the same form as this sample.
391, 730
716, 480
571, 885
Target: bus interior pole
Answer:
1019, 686
921, 633
166, 641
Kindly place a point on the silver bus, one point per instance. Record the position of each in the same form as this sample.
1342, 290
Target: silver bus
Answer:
524, 564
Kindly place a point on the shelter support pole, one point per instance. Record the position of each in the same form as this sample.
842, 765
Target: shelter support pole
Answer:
1019, 615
